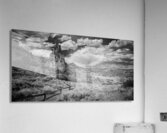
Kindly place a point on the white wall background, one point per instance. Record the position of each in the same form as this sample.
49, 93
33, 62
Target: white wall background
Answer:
102, 18
156, 63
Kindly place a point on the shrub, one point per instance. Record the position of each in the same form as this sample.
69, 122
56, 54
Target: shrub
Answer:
128, 83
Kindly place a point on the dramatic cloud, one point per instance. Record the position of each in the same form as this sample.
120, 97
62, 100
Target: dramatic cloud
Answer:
33, 44
34, 48
65, 38
67, 45
80, 42
118, 55
87, 57
96, 51
48, 44
23, 45
53, 35
113, 44
16, 36
120, 44
89, 42
34, 39
41, 52
123, 50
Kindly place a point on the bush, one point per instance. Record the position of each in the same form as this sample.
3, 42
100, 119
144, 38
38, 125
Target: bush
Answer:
128, 83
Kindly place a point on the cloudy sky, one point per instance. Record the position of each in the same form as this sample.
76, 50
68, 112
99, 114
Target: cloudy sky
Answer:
81, 50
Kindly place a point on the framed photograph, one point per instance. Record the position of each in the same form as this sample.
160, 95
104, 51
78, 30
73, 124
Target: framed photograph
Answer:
53, 67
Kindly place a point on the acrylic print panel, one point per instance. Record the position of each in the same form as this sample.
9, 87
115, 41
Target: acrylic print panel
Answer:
60, 67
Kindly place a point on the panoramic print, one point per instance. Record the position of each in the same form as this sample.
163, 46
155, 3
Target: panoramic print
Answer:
53, 67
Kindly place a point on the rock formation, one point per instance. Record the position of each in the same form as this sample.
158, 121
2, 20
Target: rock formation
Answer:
61, 67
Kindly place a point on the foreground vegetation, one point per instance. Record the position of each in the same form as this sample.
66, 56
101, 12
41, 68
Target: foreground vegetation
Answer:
31, 86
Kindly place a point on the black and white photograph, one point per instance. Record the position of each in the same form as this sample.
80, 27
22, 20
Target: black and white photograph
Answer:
83, 66
48, 67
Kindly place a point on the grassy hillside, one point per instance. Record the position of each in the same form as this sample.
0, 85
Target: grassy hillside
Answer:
31, 86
